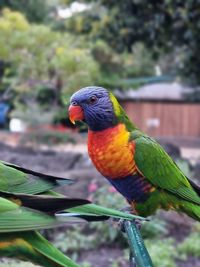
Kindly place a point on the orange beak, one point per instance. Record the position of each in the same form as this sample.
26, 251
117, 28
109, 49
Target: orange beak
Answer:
75, 113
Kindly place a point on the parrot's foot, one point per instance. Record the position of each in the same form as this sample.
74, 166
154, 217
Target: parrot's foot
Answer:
119, 223
137, 222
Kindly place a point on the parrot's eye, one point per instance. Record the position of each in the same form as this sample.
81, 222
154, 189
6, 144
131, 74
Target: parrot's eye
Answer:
74, 103
92, 100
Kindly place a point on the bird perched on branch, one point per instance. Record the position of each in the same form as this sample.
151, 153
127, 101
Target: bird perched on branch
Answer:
135, 164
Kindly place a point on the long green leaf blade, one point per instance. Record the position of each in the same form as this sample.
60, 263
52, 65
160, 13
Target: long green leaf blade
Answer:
93, 209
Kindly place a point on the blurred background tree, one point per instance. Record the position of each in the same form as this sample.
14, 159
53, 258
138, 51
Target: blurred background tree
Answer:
164, 27
34, 10
42, 66
50, 48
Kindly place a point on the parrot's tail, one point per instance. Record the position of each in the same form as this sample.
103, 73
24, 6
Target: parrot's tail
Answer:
192, 210
31, 246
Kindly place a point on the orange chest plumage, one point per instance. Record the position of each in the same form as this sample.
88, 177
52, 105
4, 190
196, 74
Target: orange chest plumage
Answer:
111, 152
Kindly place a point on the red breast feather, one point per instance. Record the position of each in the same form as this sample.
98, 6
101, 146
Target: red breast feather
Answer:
111, 151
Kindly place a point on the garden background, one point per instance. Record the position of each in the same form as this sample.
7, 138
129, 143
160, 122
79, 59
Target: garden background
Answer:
51, 48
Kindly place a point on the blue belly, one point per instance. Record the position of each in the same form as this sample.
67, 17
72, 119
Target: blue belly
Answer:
133, 187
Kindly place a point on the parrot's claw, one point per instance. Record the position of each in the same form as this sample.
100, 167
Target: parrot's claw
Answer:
119, 223
137, 222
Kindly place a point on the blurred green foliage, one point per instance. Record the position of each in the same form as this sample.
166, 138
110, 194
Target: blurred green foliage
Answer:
35, 10
115, 67
191, 244
165, 27
45, 66
41, 67
155, 228
162, 253
39, 54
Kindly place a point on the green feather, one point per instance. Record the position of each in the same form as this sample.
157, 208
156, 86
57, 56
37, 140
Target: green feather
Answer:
121, 114
26, 219
9, 177
161, 171
16, 179
32, 246
21, 212
6, 205
92, 209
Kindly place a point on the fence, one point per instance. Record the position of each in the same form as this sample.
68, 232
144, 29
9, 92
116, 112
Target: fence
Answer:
165, 118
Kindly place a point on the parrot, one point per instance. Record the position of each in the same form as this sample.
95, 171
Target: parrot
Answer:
28, 204
133, 162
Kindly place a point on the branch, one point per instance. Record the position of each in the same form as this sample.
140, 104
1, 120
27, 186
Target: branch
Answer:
139, 255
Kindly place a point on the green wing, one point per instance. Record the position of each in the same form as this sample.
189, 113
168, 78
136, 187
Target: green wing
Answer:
15, 217
161, 171
22, 211
16, 179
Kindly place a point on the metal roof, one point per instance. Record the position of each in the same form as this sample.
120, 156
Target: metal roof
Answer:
157, 91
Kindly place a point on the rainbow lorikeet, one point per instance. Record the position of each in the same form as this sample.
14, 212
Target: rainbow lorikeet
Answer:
135, 164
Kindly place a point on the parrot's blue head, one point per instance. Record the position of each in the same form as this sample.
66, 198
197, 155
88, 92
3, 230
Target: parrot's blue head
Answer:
94, 106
